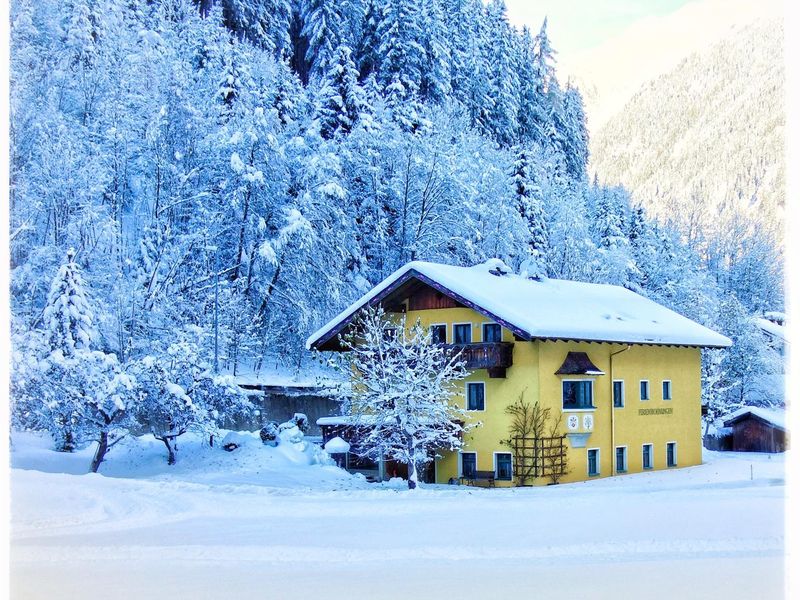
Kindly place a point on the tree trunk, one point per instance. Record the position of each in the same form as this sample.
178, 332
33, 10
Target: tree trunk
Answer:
68, 444
170, 450
100, 454
412, 476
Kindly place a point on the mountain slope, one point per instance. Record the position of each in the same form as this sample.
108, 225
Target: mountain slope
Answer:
707, 135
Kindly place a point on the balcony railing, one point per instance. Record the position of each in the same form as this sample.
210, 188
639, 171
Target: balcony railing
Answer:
495, 357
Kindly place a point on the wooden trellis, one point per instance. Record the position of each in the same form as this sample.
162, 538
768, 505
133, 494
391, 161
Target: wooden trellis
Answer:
536, 457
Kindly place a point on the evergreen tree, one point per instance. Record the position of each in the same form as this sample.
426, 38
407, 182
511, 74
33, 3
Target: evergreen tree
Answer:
340, 99
504, 81
572, 136
321, 21
529, 205
435, 84
68, 317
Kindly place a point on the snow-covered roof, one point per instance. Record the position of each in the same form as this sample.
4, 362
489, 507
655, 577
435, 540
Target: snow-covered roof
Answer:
775, 416
543, 309
774, 329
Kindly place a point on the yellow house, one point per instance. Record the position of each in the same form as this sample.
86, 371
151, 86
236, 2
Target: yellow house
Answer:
620, 374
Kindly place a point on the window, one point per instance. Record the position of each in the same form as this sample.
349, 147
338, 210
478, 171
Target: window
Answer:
644, 390
439, 334
469, 464
491, 332
577, 394
666, 390
476, 396
593, 456
622, 459
672, 454
647, 456
502, 467
462, 333
619, 394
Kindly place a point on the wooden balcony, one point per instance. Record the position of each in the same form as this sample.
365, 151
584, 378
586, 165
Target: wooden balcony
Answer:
495, 357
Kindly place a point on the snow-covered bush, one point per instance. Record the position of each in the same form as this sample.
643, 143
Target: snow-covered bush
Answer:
177, 393
269, 434
299, 420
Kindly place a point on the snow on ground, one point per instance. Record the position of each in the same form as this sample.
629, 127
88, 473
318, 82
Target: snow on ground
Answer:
266, 522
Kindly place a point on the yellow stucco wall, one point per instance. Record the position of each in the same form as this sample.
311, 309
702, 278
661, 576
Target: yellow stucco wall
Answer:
533, 373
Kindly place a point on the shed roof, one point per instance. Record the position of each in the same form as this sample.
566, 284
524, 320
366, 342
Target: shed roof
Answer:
773, 416
551, 309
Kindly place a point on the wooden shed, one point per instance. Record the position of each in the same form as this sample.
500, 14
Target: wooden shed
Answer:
756, 429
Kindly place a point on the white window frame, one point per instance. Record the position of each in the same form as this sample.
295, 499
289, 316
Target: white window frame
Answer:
484, 323
647, 381
622, 381
592, 408
624, 459
599, 468
466, 396
650, 453
453, 331
432, 325
674, 454
494, 465
667, 381
461, 463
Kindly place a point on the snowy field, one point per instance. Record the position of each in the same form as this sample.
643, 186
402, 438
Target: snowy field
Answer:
263, 522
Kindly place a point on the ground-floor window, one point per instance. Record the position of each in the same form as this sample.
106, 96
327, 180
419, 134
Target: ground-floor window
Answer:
593, 459
666, 390
672, 454
622, 459
469, 464
502, 469
647, 456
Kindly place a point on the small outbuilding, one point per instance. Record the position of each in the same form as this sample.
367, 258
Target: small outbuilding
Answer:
756, 429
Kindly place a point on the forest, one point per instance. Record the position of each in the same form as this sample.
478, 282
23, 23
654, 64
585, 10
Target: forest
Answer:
214, 180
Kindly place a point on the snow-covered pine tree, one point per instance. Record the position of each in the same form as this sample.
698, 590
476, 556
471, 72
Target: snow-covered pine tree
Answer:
340, 99
321, 22
402, 391
403, 60
571, 132
67, 317
504, 81
435, 85
368, 50
542, 98
527, 198
69, 389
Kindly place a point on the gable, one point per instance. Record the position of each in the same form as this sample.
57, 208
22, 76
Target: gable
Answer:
412, 291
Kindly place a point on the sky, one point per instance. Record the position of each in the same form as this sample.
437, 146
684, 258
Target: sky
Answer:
576, 25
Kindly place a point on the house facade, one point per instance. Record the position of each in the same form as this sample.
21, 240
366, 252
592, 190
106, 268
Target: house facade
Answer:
619, 373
